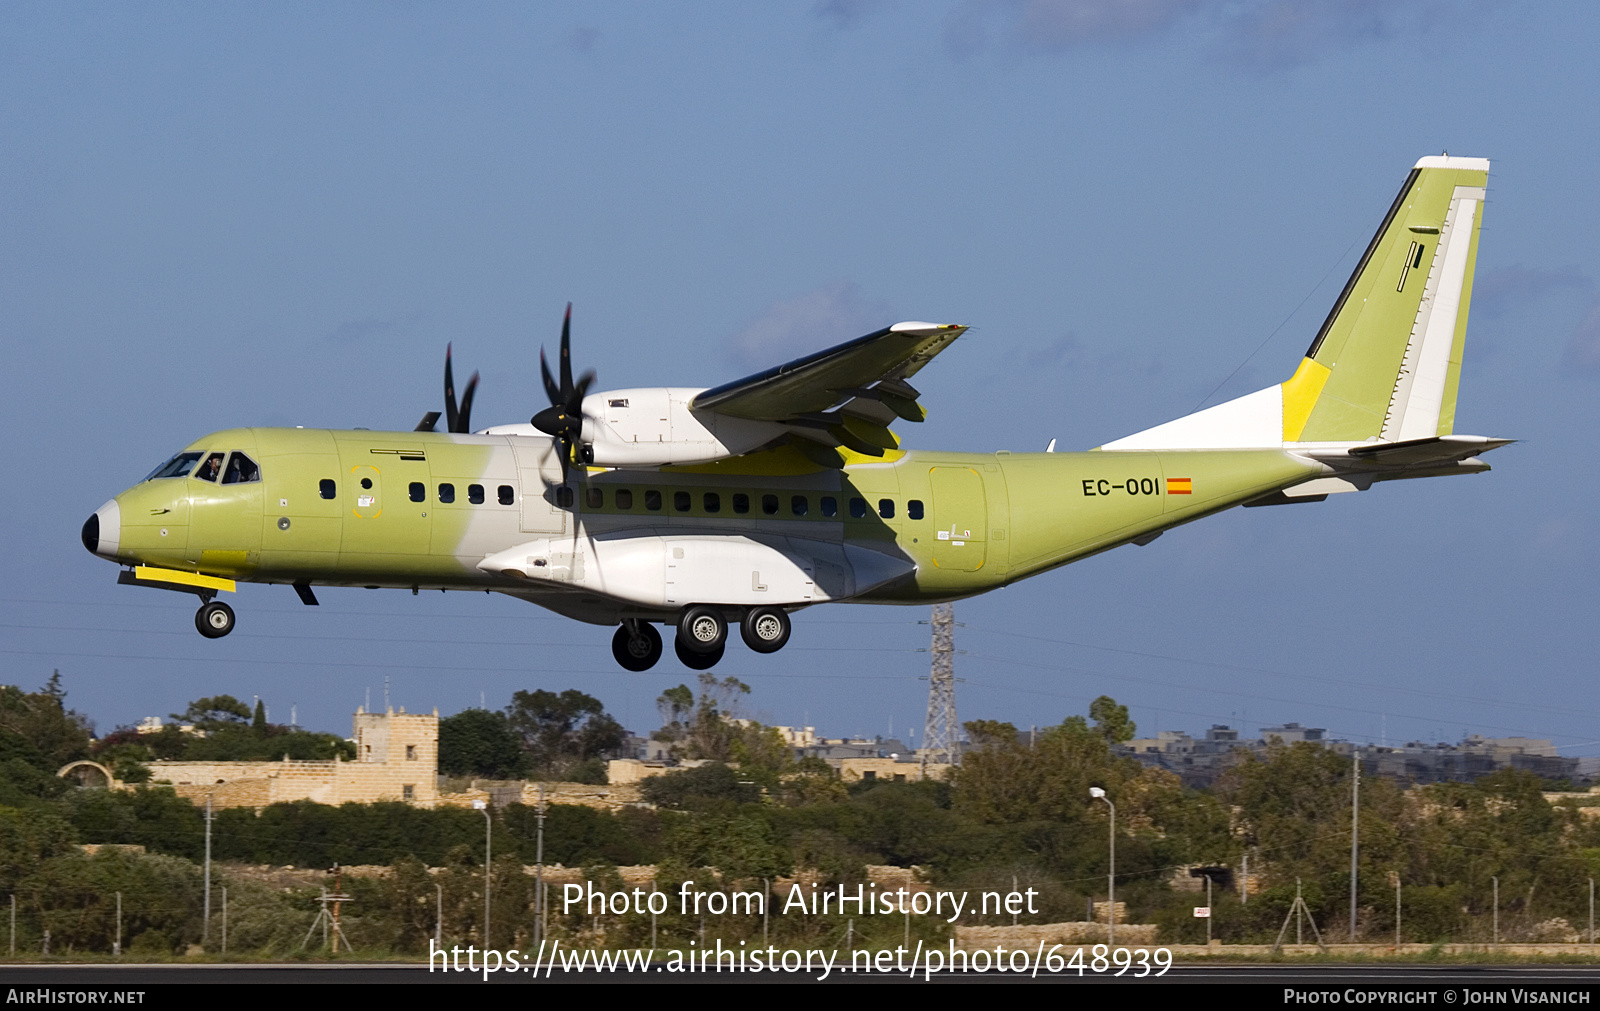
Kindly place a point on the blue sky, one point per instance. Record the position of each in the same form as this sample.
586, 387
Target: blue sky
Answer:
213, 215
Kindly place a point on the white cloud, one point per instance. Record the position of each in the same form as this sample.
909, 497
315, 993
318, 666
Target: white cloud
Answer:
819, 318
356, 330
1583, 350
1263, 34
845, 14
1497, 292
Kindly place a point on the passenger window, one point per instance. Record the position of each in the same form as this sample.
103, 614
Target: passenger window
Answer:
769, 504
858, 508
594, 498
241, 470
508, 494
624, 498
419, 491
212, 468
652, 500
564, 497
830, 506
741, 503
475, 494
798, 505
680, 501
713, 502
886, 508
447, 492
326, 488
914, 509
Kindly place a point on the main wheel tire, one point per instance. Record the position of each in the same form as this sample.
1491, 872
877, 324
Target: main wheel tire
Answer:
702, 629
765, 629
214, 620
696, 661
637, 649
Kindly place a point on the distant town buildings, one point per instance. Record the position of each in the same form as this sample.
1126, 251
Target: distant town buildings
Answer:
1199, 761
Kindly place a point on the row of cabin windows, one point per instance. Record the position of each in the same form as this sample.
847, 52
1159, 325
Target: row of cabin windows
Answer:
682, 501
506, 494
740, 503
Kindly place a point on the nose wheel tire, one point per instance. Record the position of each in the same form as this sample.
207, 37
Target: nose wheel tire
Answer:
702, 629
214, 620
765, 629
637, 648
697, 661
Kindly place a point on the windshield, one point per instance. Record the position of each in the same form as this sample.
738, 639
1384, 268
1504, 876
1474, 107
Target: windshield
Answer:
178, 466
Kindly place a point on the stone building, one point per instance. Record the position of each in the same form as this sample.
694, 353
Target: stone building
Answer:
397, 758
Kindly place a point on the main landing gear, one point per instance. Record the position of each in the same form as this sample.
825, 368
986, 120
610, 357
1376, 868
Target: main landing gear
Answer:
702, 637
637, 645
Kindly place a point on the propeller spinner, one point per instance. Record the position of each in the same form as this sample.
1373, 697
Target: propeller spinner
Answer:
563, 419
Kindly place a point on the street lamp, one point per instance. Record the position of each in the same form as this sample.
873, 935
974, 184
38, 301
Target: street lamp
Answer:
1111, 877
488, 823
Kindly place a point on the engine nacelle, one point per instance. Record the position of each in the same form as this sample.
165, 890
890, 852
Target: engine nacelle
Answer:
653, 427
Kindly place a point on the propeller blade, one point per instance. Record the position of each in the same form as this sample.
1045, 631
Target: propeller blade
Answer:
551, 390
566, 354
464, 416
564, 447
449, 393
581, 390
428, 421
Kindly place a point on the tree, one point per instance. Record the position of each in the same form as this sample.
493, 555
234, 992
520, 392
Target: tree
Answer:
37, 728
1111, 720
707, 786
985, 732
562, 731
258, 724
479, 742
214, 713
705, 725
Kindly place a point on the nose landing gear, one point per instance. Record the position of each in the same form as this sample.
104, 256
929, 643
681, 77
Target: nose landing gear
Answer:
214, 619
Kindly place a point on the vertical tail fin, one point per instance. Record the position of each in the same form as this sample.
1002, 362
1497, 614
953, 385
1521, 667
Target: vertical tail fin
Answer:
1386, 362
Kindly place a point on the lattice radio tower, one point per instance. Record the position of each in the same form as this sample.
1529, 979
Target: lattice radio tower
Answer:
939, 735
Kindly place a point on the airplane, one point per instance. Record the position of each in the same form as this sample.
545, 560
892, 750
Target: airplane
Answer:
697, 509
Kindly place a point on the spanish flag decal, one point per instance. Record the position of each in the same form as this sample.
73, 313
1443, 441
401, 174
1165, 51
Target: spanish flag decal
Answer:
1179, 486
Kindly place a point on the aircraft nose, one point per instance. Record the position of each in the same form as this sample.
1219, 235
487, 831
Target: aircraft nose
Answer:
103, 531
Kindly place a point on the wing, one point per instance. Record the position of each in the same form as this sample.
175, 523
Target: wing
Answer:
863, 379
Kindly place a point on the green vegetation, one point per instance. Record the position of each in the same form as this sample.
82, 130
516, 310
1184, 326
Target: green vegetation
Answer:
1017, 813
540, 735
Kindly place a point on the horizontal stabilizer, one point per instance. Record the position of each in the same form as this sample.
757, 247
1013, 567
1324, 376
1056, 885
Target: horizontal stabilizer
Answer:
1429, 452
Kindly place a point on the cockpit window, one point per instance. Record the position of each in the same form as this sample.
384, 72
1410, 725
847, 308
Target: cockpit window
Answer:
178, 466
241, 470
212, 468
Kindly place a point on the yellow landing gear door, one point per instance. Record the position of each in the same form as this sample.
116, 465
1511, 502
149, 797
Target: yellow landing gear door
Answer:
960, 517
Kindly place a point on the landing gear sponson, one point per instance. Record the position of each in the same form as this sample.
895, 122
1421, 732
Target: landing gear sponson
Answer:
702, 636
214, 619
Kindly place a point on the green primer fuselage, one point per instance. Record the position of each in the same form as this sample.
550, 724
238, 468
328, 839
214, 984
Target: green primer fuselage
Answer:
967, 522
